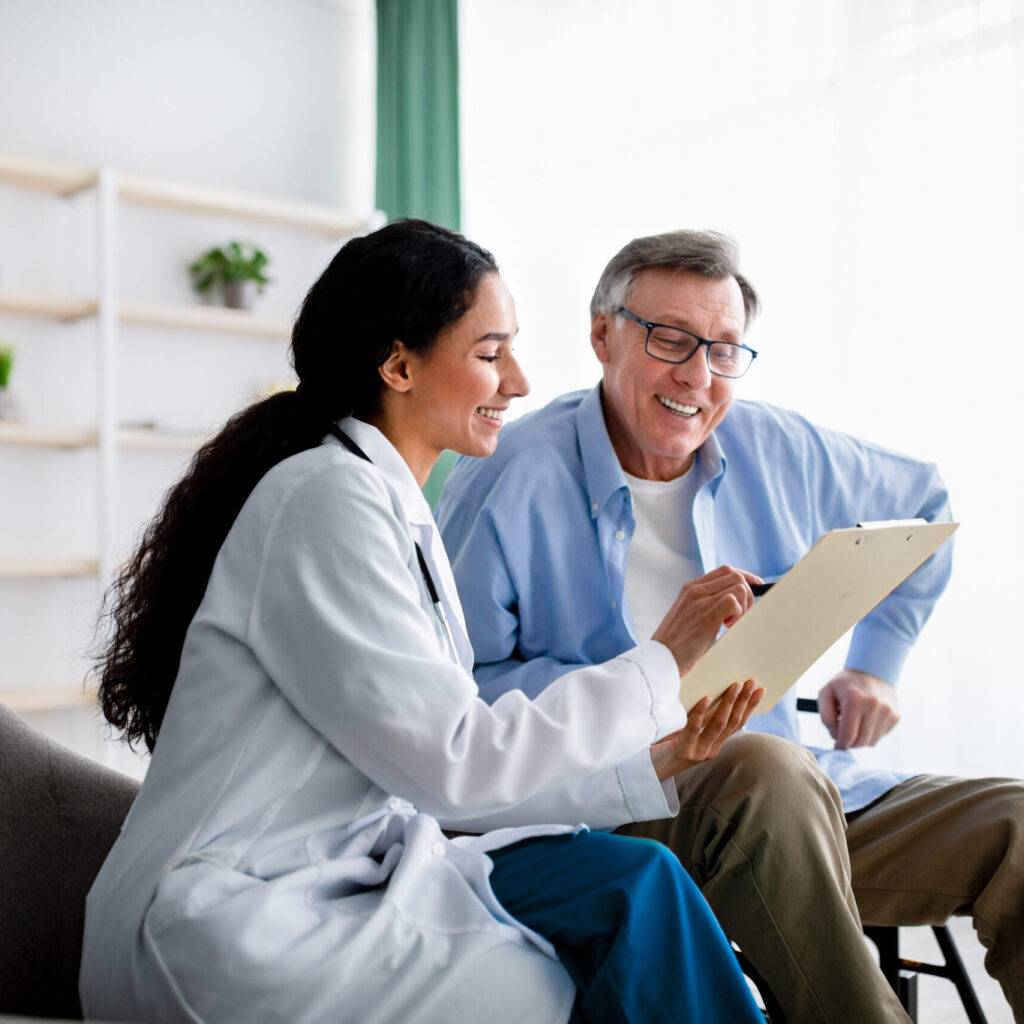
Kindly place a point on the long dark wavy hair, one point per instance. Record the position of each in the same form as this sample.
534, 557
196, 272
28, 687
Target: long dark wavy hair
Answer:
407, 281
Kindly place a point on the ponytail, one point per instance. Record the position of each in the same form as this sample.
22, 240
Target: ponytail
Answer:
157, 592
407, 281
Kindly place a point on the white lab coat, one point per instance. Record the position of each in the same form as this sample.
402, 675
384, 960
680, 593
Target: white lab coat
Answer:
283, 860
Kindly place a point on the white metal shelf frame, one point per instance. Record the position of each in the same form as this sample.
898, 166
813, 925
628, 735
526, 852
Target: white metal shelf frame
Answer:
114, 188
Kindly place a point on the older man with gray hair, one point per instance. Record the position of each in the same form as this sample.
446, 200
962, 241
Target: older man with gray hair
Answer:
571, 542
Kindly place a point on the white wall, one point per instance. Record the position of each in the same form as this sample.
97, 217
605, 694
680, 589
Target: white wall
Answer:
268, 96
272, 96
869, 159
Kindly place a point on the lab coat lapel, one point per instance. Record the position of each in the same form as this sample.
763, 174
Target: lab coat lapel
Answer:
421, 523
440, 568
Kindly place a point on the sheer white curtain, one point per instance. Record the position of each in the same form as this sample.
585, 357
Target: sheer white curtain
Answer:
868, 156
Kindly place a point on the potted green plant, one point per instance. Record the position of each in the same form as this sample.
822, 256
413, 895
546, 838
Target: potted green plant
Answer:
6, 400
236, 268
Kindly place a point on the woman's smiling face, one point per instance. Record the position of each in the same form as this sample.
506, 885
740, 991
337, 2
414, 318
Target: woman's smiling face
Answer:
461, 387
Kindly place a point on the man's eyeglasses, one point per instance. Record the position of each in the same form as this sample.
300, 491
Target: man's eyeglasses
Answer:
674, 345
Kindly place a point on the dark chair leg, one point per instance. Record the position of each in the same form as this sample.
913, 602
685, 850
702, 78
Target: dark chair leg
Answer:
952, 969
906, 991
957, 974
888, 942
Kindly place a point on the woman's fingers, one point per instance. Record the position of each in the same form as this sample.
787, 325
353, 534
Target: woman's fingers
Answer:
700, 610
728, 716
706, 729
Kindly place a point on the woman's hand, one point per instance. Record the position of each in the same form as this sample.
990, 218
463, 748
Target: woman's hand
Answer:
706, 730
703, 606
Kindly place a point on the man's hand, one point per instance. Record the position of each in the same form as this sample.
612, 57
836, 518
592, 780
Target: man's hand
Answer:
858, 709
705, 731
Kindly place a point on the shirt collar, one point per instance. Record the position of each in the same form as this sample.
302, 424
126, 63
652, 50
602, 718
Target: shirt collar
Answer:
385, 457
711, 461
601, 466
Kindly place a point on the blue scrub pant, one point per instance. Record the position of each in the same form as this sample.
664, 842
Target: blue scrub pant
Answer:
630, 927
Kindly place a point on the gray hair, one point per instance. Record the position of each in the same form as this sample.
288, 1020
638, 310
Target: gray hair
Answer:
712, 254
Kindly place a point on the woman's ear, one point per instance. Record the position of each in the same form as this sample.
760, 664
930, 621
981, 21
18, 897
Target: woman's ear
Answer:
394, 371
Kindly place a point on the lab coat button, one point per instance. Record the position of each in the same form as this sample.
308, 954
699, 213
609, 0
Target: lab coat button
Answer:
439, 849
620, 534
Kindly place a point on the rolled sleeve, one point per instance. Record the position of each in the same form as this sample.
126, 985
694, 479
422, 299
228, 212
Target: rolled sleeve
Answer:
655, 663
646, 795
876, 648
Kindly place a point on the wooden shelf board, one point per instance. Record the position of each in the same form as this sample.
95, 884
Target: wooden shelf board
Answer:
48, 698
129, 438
69, 308
45, 175
161, 192
206, 318
42, 436
47, 568
66, 308
144, 439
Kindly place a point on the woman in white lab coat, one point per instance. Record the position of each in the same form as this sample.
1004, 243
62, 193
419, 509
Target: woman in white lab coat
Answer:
290, 630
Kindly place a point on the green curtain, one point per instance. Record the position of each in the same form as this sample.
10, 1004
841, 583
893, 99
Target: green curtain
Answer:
418, 126
418, 110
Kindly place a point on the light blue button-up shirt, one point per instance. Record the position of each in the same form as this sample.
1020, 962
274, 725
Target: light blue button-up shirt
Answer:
538, 536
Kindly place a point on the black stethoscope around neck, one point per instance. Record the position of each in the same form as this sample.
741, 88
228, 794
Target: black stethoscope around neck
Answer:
428, 579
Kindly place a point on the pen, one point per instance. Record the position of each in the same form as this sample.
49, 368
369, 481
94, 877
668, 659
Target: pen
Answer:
761, 588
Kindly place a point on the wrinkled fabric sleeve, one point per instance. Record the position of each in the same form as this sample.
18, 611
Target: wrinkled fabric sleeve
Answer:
340, 624
859, 482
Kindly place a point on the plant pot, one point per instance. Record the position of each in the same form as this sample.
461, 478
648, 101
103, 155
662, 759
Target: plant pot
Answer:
9, 407
239, 294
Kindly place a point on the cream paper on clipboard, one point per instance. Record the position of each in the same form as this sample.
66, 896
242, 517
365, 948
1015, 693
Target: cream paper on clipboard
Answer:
827, 592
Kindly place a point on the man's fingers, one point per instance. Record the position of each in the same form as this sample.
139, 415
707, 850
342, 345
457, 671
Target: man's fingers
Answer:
870, 727
858, 708
848, 729
863, 722
876, 721
828, 708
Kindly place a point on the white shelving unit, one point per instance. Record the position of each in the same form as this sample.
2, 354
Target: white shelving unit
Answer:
110, 311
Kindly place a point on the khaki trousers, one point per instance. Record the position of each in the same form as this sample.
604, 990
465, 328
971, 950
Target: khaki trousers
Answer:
761, 830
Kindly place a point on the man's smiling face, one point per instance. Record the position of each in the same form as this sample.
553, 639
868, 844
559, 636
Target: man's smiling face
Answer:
658, 414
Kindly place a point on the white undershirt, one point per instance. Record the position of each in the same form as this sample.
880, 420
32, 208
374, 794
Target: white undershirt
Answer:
663, 554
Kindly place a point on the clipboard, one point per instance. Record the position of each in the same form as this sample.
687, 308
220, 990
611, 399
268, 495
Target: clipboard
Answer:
845, 574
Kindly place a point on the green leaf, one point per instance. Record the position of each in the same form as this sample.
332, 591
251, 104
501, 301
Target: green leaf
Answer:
236, 261
6, 362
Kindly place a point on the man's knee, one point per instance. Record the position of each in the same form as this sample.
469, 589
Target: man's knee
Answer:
764, 755
763, 782
766, 762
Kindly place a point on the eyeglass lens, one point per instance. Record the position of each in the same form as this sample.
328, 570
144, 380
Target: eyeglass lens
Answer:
676, 346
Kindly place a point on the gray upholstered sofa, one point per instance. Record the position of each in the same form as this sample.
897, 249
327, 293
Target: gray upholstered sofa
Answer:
59, 815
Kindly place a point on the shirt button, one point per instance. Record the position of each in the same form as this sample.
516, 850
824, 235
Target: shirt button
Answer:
620, 534
439, 849
594, 507
395, 804
615, 604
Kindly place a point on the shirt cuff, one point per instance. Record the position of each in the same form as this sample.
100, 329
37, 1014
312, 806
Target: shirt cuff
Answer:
659, 669
875, 648
647, 796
